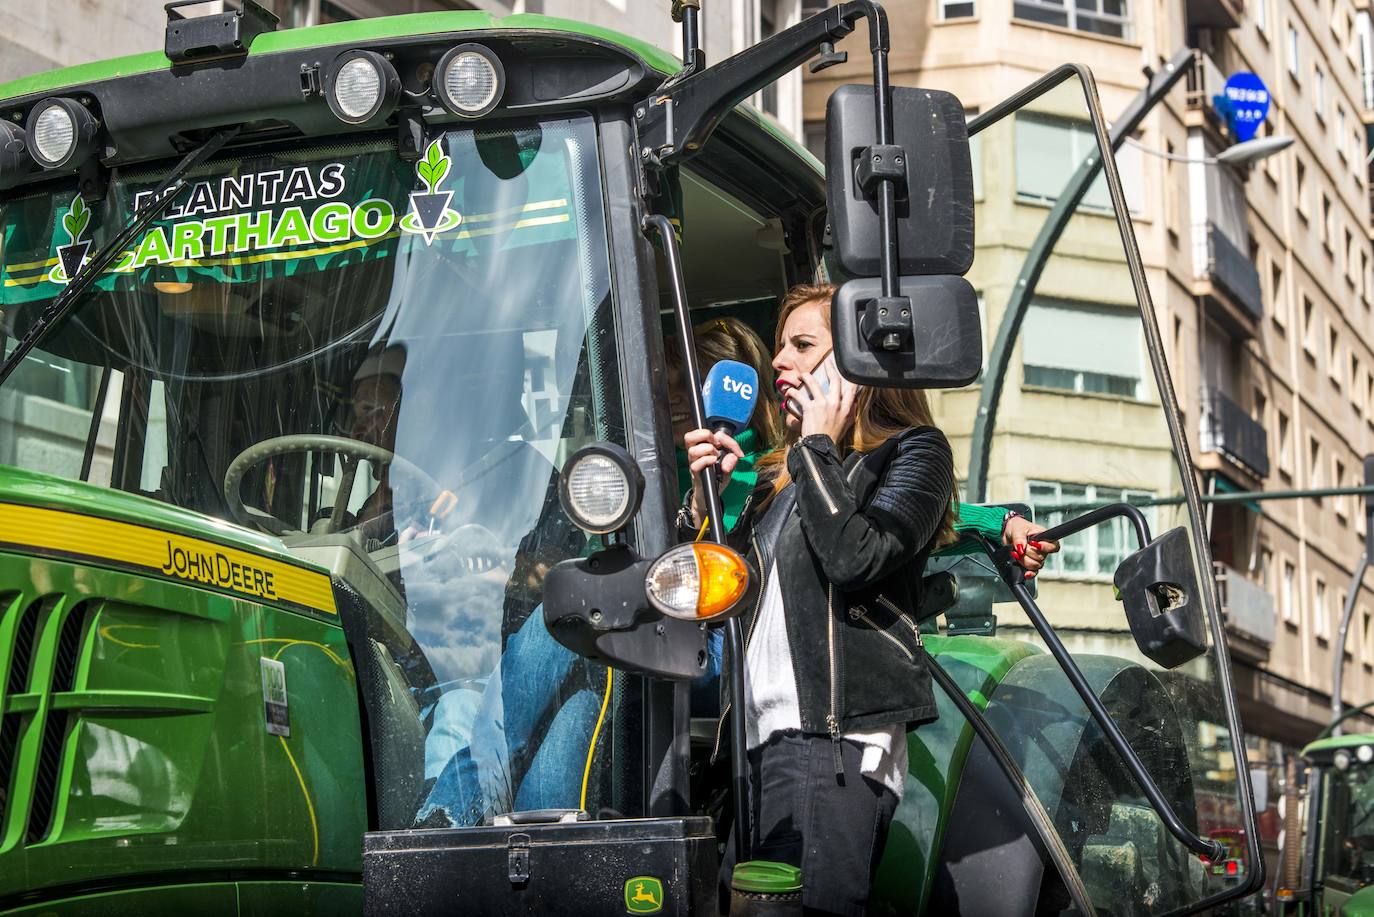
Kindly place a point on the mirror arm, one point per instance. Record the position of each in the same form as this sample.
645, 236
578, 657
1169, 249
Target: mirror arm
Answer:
1215, 851
1097, 517
677, 119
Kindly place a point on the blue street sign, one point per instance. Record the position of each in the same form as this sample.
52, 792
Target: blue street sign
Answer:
1244, 103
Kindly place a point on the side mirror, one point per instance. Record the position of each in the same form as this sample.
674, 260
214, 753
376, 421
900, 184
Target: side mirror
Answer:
946, 346
1159, 588
926, 333
929, 151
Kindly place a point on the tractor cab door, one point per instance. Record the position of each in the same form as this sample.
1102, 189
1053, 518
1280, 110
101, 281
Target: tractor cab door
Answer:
1073, 413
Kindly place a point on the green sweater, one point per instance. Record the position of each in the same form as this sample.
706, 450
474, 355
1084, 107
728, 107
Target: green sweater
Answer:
984, 519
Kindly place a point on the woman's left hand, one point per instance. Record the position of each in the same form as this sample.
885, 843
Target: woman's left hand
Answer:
830, 413
1026, 550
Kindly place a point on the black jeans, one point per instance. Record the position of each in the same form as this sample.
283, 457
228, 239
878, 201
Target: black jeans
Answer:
831, 827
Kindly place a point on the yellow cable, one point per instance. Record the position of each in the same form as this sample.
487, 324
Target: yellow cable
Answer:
310, 806
701, 532
596, 733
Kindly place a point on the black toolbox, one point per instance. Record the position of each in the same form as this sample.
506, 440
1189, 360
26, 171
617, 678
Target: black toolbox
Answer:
624, 866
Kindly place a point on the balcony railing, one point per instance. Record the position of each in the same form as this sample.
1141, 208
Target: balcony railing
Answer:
1205, 82
1220, 261
1215, 14
1229, 430
1248, 609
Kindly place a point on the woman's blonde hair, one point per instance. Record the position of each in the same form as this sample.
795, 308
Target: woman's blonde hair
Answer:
879, 414
731, 339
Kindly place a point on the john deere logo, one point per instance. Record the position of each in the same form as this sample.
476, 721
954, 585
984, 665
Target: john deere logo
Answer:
71, 256
643, 895
429, 211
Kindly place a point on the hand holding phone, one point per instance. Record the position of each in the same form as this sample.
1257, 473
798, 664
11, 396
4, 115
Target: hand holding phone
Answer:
822, 377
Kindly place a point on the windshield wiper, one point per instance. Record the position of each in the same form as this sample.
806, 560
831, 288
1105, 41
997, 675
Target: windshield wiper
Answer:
156, 205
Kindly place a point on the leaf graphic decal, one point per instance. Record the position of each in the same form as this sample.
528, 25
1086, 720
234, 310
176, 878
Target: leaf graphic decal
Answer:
77, 218
433, 169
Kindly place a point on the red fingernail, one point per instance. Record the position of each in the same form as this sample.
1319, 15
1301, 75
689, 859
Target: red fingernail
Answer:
1028, 575
1036, 543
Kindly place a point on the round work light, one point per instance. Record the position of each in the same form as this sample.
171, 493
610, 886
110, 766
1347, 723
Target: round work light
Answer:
697, 582
600, 488
469, 80
61, 133
15, 161
362, 86
1365, 753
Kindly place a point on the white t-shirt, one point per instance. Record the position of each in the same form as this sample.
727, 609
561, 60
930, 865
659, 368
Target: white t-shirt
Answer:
771, 704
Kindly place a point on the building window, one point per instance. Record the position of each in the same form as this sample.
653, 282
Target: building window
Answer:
956, 9
1262, 17
1366, 650
1309, 343
1340, 129
1285, 447
1082, 348
1171, 187
1340, 501
1049, 151
1294, 62
1350, 259
1101, 17
768, 27
1362, 32
1321, 621
1287, 605
813, 135
1097, 551
1356, 375
1333, 354
1326, 229
1302, 191
1314, 465
1319, 91
1276, 294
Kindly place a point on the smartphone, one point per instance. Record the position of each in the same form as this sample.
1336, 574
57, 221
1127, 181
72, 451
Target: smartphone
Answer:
793, 406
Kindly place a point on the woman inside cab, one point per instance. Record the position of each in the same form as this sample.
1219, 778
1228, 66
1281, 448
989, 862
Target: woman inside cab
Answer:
853, 504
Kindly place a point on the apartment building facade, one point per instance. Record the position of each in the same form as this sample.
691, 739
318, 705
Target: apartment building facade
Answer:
1261, 279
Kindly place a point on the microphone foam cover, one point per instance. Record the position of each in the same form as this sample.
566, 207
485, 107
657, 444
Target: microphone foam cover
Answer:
729, 394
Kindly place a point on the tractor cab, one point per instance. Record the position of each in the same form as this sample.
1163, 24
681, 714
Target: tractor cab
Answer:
338, 556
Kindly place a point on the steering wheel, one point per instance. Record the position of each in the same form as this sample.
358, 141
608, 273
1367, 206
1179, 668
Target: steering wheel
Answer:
352, 450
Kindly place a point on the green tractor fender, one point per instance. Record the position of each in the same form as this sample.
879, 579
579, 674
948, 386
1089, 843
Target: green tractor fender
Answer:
992, 861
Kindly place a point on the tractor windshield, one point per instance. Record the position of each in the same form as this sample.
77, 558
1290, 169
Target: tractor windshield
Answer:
382, 362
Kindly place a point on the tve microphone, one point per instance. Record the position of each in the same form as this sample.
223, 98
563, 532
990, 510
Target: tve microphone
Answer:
729, 394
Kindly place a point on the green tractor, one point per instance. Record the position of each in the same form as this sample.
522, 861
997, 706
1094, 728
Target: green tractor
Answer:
1329, 861
337, 483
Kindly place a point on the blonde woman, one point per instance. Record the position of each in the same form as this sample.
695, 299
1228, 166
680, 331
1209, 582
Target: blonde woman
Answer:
857, 499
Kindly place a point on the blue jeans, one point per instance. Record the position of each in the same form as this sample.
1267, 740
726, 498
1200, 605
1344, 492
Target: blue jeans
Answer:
528, 742
529, 738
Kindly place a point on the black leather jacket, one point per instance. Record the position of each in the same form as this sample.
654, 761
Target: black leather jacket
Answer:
850, 540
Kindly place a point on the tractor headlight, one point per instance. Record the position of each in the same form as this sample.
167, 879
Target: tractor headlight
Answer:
697, 582
362, 86
601, 488
61, 132
1342, 760
1365, 753
469, 80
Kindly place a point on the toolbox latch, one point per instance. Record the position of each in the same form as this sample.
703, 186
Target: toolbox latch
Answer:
518, 859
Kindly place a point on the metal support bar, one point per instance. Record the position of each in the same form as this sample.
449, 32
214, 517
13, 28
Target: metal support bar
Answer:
1338, 664
1215, 851
1097, 517
734, 633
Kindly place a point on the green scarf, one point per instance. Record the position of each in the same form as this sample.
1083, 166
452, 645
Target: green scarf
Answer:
742, 481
